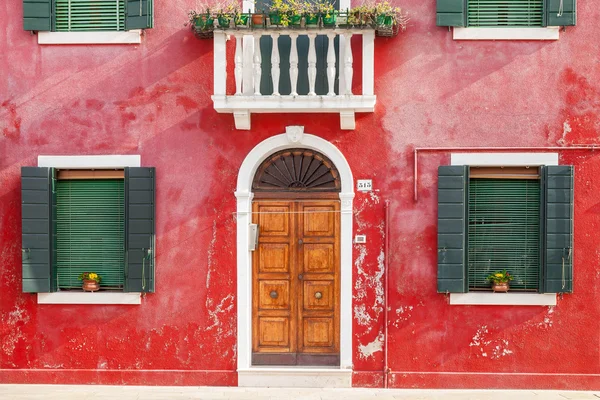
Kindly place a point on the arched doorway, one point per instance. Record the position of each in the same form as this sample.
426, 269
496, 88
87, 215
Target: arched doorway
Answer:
249, 375
295, 266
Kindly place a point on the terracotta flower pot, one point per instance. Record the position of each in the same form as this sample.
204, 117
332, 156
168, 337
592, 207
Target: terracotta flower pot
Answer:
258, 20
90, 285
500, 287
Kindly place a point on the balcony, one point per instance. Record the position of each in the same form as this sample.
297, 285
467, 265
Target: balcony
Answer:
248, 68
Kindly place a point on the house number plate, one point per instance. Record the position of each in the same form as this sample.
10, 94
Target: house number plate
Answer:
364, 185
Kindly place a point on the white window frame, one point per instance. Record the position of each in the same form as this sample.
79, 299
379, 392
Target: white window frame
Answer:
506, 160
89, 162
526, 33
106, 37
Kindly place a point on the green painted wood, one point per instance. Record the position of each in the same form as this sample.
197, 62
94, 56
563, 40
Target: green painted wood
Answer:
37, 15
89, 15
140, 14
450, 13
452, 237
557, 16
90, 231
140, 229
505, 13
558, 229
504, 231
302, 45
37, 229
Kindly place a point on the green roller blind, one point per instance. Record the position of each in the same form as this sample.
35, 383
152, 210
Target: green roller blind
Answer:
505, 13
504, 231
89, 15
90, 232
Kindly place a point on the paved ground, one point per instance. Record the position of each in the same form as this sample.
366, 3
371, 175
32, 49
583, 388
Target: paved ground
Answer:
77, 392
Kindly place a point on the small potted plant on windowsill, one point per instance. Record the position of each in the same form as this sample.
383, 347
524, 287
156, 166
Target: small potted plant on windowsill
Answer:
91, 281
500, 281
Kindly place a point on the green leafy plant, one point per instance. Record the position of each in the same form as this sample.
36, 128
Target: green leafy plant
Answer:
90, 276
500, 277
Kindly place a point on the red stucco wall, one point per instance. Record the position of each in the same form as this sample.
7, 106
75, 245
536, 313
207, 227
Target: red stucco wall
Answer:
153, 99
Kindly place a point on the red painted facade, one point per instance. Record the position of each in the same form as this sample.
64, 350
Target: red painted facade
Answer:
154, 100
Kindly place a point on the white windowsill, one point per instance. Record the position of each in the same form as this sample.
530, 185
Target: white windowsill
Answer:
89, 298
122, 37
549, 33
503, 299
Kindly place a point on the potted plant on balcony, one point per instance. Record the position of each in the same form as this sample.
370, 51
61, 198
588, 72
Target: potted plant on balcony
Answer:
389, 20
500, 281
91, 281
227, 13
202, 23
279, 13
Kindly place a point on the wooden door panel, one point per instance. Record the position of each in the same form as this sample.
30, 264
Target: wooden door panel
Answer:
274, 295
274, 219
318, 334
318, 258
274, 333
319, 296
318, 221
274, 258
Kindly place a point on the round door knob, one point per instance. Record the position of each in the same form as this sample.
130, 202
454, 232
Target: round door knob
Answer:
273, 294
318, 295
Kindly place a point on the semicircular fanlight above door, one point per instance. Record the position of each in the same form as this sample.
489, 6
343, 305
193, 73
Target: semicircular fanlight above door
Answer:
296, 170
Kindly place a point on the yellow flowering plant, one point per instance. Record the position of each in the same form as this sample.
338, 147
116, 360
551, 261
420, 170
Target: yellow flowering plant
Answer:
90, 276
500, 277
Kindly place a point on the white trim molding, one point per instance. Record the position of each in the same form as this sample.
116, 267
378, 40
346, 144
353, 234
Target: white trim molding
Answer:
294, 138
474, 33
89, 298
295, 377
503, 299
116, 37
499, 160
89, 162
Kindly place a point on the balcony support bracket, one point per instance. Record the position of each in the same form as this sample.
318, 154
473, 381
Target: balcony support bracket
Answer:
242, 119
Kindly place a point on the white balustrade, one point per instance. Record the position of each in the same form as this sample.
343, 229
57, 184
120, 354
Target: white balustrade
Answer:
248, 74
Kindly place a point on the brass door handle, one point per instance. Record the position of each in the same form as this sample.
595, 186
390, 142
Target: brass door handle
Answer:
318, 295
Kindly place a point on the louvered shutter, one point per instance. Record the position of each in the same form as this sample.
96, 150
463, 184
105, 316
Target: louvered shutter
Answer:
558, 229
452, 237
504, 231
37, 201
140, 14
90, 231
450, 13
37, 15
302, 46
89, 15
499, 13
140, 229
561, 12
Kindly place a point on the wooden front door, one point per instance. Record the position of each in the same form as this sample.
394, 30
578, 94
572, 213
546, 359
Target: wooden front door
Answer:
296, 283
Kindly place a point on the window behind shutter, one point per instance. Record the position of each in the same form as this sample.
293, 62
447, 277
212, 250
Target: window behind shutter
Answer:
89, 15
37, 15
140, 229
452, 238
494, 13
90, 231
558, 229
450, 12
36, 229
140, 14
504, 231
561, 12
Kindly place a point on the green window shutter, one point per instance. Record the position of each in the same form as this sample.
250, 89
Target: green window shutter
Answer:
504, 231
89, 15
37, 15
450, 12
452, 238
561, 12
140, 14
503, 13
37, 229
558, 229
90, 231
140, 229
302, 45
